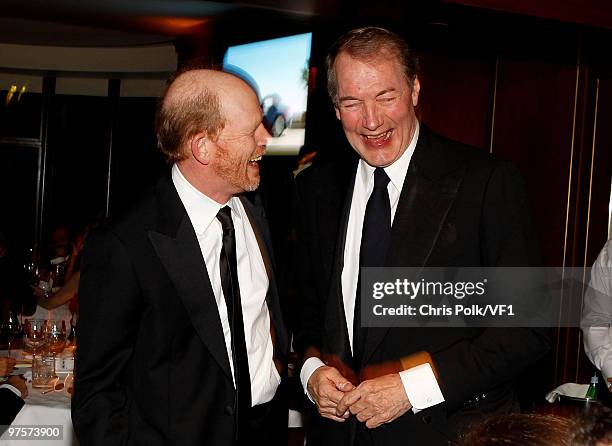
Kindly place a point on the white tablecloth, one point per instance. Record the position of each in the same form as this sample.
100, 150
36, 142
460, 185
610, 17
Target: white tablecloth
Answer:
44, 410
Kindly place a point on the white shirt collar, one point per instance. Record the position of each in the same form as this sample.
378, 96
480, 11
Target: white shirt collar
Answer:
202, 210
398, 169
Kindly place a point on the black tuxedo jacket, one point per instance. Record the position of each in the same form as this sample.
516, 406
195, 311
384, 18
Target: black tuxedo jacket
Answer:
10, 405
152, 366
458, 207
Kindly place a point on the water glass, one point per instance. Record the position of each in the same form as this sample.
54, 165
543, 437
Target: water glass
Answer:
43, 371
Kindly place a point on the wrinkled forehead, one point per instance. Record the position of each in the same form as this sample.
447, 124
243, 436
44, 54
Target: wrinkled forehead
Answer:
383, 58
365, 72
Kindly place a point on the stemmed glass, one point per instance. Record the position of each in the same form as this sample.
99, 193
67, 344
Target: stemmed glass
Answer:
13, 330
56, 336
34, 339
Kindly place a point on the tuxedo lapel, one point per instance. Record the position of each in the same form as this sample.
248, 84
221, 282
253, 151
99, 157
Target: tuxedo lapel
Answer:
178, 249
431, 184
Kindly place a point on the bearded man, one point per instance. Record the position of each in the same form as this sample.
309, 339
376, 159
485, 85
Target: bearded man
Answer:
181, 339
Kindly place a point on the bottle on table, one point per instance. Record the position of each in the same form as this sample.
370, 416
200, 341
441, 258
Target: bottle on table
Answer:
58, 270
592, 390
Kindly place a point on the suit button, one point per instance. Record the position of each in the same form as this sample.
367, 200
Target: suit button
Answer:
426, 419
229, 410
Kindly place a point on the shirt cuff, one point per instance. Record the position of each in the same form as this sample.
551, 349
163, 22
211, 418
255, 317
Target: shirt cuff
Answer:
606, 370
308, 368
421, 387
13, 389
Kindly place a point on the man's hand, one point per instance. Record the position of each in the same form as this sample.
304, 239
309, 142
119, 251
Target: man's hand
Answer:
7, 365
19, 383
376, 401
327, 386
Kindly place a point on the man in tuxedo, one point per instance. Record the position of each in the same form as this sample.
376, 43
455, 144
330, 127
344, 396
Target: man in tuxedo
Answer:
180, 334
411, 199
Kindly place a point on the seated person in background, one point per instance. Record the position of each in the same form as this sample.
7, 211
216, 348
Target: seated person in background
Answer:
12, 392
7, 365
59, 241
597, 314
67, 294
63, 296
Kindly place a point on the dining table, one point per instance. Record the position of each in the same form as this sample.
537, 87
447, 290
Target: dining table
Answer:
49, 411
45, 417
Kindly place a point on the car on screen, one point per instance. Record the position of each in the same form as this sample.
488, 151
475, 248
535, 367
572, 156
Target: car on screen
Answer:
276, 114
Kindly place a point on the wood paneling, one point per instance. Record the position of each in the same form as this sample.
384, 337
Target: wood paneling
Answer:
586, 12
534, 114
601, 173
456, 97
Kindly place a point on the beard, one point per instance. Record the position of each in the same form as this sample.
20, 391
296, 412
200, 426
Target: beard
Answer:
235, 170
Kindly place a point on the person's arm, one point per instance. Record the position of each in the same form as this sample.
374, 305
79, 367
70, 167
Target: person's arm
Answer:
474, 366
11, 399
597, 314
7, 364
323, 384
60, 297
109, 314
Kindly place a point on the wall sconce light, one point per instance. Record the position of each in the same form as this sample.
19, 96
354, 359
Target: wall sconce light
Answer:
11, 92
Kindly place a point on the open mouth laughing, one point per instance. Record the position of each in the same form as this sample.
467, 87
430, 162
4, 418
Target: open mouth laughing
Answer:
255, 161
379, 139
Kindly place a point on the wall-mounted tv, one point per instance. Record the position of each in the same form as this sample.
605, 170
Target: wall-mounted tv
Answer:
278, 70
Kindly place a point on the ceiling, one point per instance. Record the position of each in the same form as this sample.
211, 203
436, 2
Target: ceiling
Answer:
122, 22
108, 23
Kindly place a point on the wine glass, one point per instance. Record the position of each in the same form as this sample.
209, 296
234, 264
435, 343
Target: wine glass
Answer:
34, 339
13, 330
56, 336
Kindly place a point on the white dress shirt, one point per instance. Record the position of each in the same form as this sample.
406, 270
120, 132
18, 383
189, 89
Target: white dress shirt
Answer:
597, 313
419, 382
252, 278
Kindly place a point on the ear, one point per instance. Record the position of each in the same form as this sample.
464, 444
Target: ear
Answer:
416, 88
337, 112
199, 147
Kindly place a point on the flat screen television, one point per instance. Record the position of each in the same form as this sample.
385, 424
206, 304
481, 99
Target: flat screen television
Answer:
278, 71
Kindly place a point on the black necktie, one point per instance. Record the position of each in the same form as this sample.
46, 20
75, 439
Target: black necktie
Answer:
374, 242
231, 291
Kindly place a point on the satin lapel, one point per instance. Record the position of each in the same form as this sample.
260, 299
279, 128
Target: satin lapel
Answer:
259, 225
424, 202
178, 249
339, 202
